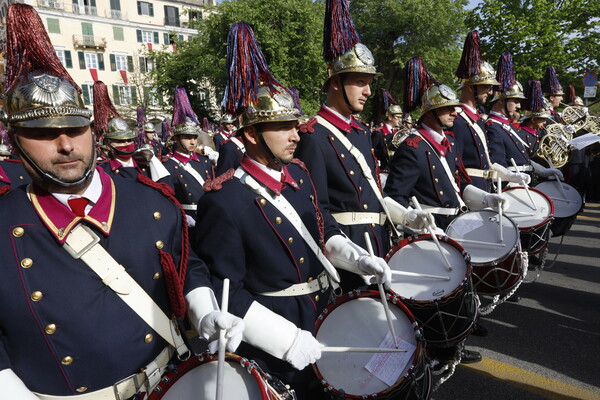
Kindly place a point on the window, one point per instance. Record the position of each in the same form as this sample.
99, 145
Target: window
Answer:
194, 15
91, 60
115, 4
152, 96
118, 33
171, 16
64, 56
121, 62
146, 64
124, 95
53, 25
88, 93
145, 8
147, 36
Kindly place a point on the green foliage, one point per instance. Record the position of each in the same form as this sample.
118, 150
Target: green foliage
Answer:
539, 33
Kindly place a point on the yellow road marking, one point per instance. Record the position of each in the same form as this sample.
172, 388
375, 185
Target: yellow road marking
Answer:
586, 217
530, 381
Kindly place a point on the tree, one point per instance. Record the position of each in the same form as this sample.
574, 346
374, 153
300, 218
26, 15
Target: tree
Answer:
288, 31
539, 33
396, 30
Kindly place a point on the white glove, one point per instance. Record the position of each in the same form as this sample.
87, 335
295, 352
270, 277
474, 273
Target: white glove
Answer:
190, 221
212, 155
554, 173
376, 266
216, 320
571, 129
495, 201
13, 387
509, 176
416, 219
305, 350
410, 217
547, 172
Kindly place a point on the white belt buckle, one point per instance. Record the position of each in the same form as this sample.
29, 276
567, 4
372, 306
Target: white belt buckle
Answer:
78, 254
136, 383
323, 282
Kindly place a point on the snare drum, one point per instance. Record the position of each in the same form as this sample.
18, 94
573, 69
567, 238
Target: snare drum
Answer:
497, 266
357, 319
443, 303
567, 204
196, 379
533, 219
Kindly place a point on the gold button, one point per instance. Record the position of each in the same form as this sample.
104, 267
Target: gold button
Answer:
436, 180
311, 197
156, 276
278, 220
351, 172
148, 338
185, 185
21, 177
18, 231
317, 298
309, 280
433, 167
176, 167
441, 192
455, 159
360, 188
50, 329
68, 360
301, 260
366, 206
263, 202
81, 389
343, 155
189, 194
37, 296
160, 244
181, 176
301, 181
26, 262
156, 215
116, 171
428, 153
291, 240
373, 225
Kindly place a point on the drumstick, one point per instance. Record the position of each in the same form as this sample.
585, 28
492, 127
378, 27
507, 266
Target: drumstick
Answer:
222, 342
512, 160
341, 349
388, 314
499, 191
460, 240
415, 274
431, 227
560, 186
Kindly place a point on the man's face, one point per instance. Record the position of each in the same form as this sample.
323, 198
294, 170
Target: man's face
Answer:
150, 136
282, 138
120, 143
447, 115
512, 105
483, 92
538, 123
555, 100
358, 89
395, 120
228, 127
186, 143
64, 153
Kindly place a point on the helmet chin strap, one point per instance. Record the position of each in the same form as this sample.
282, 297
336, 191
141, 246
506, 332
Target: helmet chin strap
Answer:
276, 160
54, 179
352, 110
438, 120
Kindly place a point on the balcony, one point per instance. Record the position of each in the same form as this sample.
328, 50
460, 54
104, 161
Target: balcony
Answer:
86, 41
87, 10
116, 14
51, 4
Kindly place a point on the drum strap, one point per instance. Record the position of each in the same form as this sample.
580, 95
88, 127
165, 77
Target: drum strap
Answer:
360, 159
477, 129
482, 173
83, 243
442, 210
190, 170
288, 211
359, 218
510, 131
521, 168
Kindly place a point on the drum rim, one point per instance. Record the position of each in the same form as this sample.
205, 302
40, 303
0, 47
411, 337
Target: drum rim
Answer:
357, 294
548, 219
580, 198
443, 238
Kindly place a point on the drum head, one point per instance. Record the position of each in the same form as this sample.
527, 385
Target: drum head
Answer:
567, 202
478, 232
360, 322
421, 256
525, 214
199, 382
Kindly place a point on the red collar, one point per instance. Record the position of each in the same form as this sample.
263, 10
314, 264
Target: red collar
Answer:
59, 219
3, 176
502, 119
116, 164
338, 122
183, 159
261, 176
441, 148
529, 130
386, 131
473, 115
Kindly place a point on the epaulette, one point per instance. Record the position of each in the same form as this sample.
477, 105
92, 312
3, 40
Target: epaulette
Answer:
489, 122
216, 184
413, 142
308, 126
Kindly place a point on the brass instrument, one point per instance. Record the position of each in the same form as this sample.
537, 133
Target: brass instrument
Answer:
575, 116
393, 144
554, 146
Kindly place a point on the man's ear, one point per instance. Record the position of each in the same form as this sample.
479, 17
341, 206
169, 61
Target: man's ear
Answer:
251, 134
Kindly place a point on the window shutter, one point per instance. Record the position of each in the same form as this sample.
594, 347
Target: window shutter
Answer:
151, 9
68, 59
115, 5
139, 7
139, 35
81, 59
156, 37
130, 64
100, 61
166, 38
143, 65
113, 62
116, 97
86, 94
133, 91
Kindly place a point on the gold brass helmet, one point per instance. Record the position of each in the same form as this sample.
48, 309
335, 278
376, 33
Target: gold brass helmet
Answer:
187, 128
486, 76
118, 129
4, 150
393, 110
227, 119
45, 101
149, 127
358, 59
542, 113
438, 96
515, 92
270, 108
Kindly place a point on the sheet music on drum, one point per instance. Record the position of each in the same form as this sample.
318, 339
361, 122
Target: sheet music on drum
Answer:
470, 222
583, 141
387, 367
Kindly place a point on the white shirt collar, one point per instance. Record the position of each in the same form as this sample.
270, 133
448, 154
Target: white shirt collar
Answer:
348, 120
472, 109
127, 164
272, 172
438, 137
92, 193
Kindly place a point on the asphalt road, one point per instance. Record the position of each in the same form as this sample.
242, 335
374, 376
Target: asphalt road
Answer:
547, 346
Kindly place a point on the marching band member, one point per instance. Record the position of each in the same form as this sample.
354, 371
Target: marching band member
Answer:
231, 152
383, 135
553, 92
189, 170
226, 130
262, 227
534, 118
12, 172
337, 149
147, 134
82, 315
119, 141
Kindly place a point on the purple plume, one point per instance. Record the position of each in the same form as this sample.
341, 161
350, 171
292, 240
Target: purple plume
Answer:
339, 33
182, 107
470, 60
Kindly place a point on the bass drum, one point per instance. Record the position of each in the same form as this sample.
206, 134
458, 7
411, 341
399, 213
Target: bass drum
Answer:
567, 204
196, 379
443, 302
357, 319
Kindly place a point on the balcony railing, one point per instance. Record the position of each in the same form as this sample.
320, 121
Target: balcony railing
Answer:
116, 14
89, 41
52, 4
87, 10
